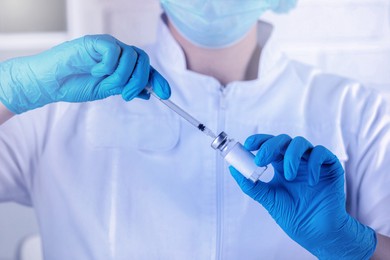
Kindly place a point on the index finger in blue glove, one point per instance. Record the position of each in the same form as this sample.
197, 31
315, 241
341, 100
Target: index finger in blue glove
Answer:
293, 156
159, 84
139, 78
105, 50
319, 157
254, 142
115, 83
272, 150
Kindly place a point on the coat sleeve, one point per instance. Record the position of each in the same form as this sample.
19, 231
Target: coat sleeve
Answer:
368, 167
22, 140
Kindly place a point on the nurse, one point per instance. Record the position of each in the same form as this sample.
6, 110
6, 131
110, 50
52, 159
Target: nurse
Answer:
124, 180
221, 40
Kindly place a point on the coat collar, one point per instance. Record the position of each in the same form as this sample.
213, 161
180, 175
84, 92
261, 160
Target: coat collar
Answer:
272, 60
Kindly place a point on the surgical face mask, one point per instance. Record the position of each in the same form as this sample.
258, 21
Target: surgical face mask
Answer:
218, 23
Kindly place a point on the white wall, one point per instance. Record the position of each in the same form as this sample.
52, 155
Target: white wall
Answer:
349, 37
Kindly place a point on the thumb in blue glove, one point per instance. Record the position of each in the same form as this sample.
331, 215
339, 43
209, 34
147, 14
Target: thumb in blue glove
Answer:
306, 197
86, 69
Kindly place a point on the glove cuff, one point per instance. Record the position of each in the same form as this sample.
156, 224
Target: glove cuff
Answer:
6, 86
353, 241
17, 85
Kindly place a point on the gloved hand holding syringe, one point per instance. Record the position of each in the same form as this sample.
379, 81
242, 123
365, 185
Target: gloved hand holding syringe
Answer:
232, 151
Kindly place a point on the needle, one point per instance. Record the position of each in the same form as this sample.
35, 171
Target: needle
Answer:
183, 114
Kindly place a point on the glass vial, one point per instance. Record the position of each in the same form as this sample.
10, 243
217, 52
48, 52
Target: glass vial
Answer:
236, 155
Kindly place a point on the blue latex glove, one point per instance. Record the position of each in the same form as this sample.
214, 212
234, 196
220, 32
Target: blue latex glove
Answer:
89, 68
306, 197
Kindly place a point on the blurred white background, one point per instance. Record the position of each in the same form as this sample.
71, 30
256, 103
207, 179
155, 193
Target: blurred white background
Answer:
348, 37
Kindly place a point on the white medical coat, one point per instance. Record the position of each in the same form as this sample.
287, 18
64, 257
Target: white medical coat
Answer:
116, 180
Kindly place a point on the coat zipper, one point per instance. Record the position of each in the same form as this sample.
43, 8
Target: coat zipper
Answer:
219, 176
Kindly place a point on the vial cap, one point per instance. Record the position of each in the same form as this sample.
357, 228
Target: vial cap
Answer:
219, 141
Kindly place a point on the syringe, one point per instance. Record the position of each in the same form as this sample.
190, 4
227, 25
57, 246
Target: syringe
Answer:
184, 114
232, 151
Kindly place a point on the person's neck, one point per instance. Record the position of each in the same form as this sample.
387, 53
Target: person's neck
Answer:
234, 63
